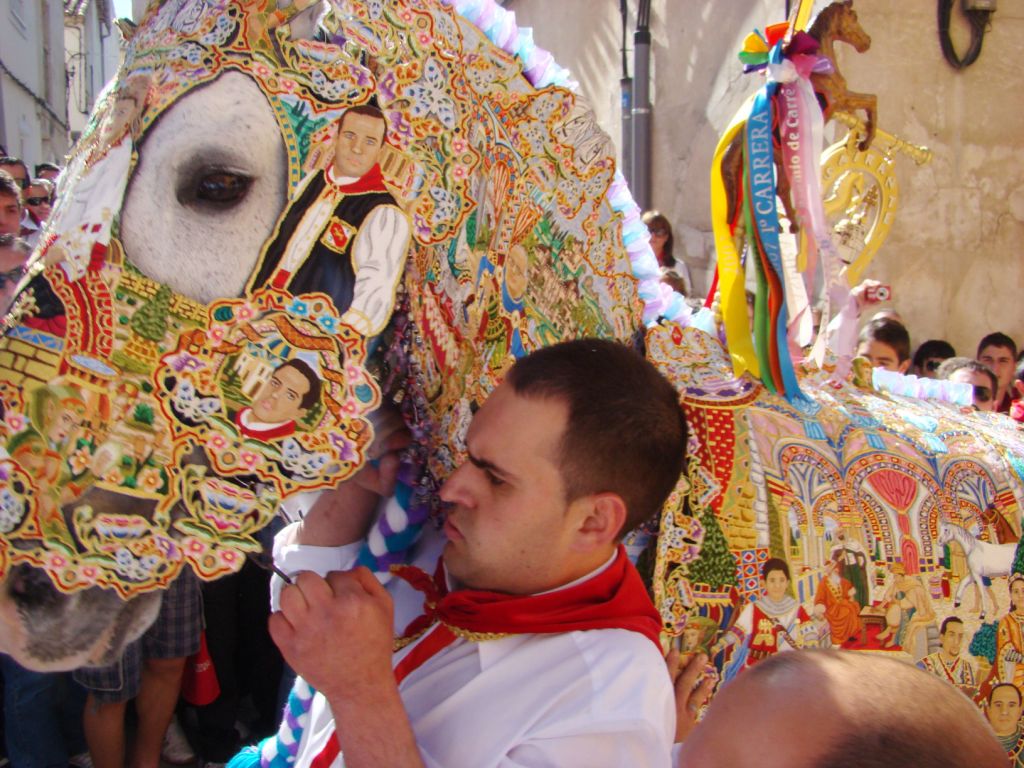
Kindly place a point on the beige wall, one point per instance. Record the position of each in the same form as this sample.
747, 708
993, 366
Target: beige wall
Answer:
954, 255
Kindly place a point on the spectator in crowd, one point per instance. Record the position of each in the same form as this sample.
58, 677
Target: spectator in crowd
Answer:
999, 352
978, 375
1017, 406
17, 170
674, 271
10, 205
48, 171
149, 671
14, 252
886, 344
37, 208
929, 357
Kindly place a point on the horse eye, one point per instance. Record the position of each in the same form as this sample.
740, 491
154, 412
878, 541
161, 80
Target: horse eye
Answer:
222, 187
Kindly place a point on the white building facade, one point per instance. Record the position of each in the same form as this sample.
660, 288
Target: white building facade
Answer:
33, 94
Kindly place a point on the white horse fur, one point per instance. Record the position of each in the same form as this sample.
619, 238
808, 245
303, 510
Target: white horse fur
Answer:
984, 560
200, 249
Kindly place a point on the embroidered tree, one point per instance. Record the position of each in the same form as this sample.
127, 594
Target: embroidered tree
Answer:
1018, 559
715, 566
150, 321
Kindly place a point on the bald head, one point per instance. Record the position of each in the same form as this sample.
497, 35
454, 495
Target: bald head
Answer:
813, 709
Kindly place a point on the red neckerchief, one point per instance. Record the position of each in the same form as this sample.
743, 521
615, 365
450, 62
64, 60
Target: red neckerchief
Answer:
371, 181
615, 598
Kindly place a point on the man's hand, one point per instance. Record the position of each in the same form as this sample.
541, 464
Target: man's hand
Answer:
693, 684
337, 632
343, 515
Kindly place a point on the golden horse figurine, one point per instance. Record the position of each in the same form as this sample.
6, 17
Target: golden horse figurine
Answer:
839, 22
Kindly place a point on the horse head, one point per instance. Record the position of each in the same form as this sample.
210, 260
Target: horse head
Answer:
139, 336
847, 28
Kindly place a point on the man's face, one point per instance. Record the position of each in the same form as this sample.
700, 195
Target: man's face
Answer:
1000, 360
37, 200
10, 215
12, 263
280, 399
357, 147
1004, 710
882, 355
509, 527
775, 584
953, 639
18, 173
984, 397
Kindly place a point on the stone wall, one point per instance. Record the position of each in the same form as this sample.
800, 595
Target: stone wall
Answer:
953, 256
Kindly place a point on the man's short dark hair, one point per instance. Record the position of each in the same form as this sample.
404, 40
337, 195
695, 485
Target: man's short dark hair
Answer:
625, 434
41, 168
998, 339
9, 187
365, 109
891, 332
312, 395
775, 564
931, 349
954, 364
997, 686
10, 162
947, 621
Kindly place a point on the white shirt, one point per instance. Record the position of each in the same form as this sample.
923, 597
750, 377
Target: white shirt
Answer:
590, 698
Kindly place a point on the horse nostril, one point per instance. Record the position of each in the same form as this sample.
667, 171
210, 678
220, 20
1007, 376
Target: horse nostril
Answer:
30, 586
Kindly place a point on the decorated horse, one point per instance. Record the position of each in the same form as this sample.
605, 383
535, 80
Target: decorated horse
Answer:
166, 302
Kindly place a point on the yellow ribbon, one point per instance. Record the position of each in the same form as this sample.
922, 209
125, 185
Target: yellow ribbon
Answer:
731, 278
803, 14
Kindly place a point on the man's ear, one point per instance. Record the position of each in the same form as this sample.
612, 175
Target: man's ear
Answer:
904, 365
603, 516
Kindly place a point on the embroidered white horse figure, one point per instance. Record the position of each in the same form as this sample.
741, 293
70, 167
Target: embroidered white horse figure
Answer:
984, 560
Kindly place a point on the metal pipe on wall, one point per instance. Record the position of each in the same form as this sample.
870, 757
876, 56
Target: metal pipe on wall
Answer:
641, 166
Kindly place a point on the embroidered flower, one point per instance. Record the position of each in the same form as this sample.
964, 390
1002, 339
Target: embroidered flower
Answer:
249, 459
298, 308
150, 479
15, 421
345, 448
245, 312
80, 460
329, 323
216, 442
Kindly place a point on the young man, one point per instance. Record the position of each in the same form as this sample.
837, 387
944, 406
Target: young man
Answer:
946, 662
544, 651
10, 205
283, 400
886, 344
343, 234
999, 352
14, 252
978, 375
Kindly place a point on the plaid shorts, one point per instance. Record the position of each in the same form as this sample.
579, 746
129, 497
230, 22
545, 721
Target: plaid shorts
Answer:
174, 634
